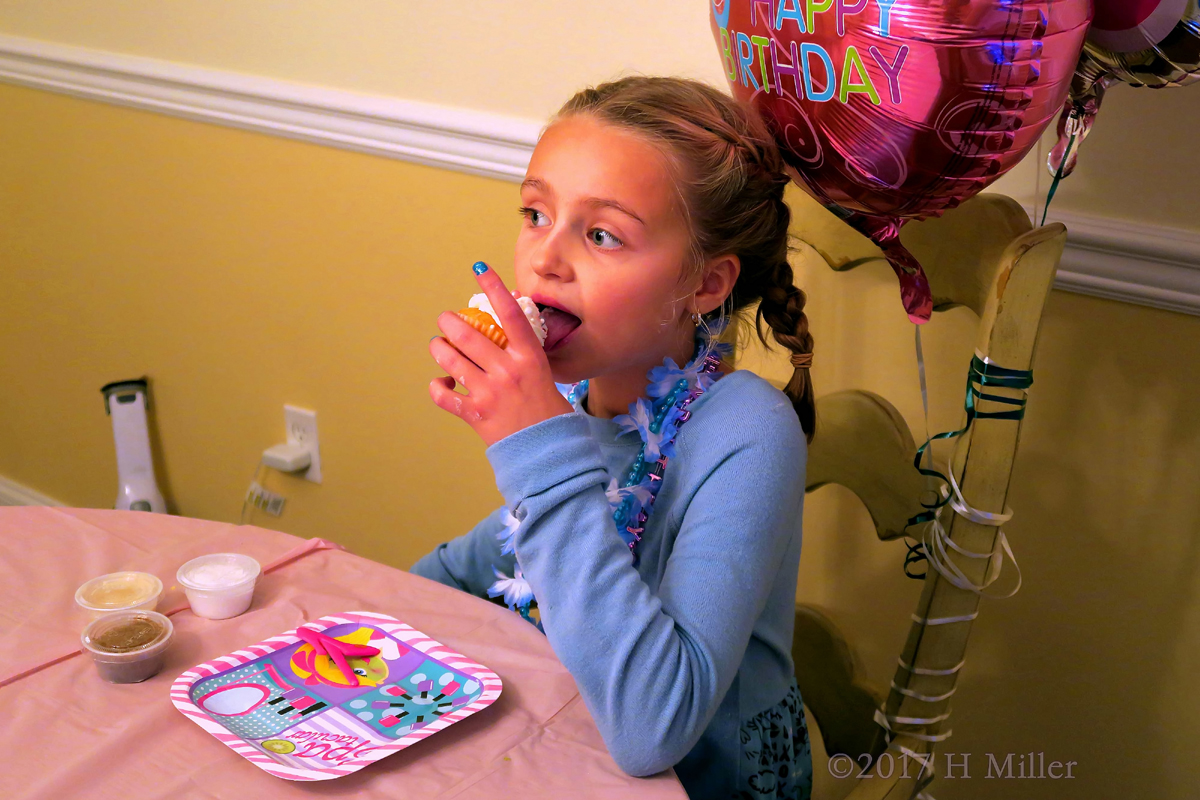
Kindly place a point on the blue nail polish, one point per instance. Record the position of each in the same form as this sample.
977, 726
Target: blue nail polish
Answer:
479, 268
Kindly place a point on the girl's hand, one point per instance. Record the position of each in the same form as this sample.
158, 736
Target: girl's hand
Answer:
508, 390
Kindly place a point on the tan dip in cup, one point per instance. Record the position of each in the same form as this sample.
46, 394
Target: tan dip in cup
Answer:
128, 646
119, 591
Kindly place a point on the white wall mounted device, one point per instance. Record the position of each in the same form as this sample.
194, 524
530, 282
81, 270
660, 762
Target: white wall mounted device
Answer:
126, 402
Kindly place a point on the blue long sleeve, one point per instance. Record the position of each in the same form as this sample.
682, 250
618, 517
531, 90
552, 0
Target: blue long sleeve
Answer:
674, 654
652, 665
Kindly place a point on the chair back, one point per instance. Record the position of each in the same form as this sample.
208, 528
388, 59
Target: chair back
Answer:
983, 255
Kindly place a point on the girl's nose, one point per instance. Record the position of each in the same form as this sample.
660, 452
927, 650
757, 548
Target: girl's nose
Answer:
551, 259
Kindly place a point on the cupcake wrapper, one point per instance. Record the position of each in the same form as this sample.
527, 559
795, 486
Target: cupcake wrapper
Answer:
483, 322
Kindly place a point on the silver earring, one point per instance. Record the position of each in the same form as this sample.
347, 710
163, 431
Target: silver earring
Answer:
695, 318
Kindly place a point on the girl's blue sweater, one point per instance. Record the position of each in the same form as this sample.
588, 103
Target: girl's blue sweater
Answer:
671, 656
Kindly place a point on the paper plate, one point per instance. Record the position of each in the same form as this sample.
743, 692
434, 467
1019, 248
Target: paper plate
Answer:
293, 714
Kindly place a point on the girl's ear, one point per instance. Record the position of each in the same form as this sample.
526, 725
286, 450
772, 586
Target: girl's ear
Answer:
720, 276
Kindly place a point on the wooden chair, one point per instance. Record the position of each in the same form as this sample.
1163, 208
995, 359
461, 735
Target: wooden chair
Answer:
985, 256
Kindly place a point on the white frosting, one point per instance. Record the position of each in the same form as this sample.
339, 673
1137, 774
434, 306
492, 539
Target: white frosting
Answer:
217, 575
529, 308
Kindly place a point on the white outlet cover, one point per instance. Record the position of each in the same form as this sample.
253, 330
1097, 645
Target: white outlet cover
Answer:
302, 430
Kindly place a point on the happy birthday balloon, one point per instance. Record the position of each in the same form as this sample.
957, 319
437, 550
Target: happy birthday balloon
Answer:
893, 110
1153, 43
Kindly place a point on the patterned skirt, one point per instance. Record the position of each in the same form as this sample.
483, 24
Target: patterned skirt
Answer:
776, 758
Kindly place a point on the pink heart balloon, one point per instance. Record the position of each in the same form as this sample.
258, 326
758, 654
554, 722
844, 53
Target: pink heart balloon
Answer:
893, 110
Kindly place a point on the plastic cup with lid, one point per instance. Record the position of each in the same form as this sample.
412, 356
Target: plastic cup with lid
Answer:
219, 585
119, 591
128, 646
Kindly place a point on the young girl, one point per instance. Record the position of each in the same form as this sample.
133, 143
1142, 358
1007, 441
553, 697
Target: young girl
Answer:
655, 514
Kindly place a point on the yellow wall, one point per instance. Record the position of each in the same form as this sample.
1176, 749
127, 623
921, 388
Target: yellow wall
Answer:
525, 58
242, 272
522, 58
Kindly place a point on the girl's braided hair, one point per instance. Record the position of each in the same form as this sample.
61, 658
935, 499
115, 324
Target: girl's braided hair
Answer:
731, 181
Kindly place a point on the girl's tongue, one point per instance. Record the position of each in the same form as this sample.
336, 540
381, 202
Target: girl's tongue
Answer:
559, 323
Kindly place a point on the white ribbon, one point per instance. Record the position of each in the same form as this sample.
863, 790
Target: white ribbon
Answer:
924, 698
936, 542
887, 720
944, 620
924, 671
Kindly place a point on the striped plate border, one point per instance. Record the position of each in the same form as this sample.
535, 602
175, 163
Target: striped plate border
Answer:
295, 771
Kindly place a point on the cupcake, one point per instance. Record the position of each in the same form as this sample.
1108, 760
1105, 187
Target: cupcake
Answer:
480, 315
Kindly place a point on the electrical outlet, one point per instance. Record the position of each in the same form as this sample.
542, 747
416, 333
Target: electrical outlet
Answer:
265, 500
301, 426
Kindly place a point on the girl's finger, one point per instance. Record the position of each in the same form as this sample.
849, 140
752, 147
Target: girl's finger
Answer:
457, 365
512, 318
445, 398
472, 344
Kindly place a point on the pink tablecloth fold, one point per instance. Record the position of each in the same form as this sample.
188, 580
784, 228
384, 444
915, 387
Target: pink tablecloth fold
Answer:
300, 550
66, 733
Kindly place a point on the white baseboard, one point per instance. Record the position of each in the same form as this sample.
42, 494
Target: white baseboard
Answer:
1134, 263
14, 494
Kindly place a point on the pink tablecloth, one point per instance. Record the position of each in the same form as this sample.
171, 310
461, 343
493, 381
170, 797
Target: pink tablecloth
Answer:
64, 733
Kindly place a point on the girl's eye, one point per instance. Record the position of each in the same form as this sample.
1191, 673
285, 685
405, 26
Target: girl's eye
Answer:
360, 671
536, 218
602, 238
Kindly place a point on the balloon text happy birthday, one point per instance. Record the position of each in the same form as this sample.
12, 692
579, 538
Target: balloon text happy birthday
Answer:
808, 70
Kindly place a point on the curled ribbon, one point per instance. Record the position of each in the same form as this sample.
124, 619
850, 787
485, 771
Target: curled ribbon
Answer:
1074, 127
887, 720
935, 542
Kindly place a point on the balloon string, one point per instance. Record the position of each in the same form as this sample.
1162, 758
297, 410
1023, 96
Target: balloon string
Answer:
916, 553
931, 548
1072, 124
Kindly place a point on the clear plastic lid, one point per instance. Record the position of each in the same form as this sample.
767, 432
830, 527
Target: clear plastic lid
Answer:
218, 572
118, 590
127, 635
